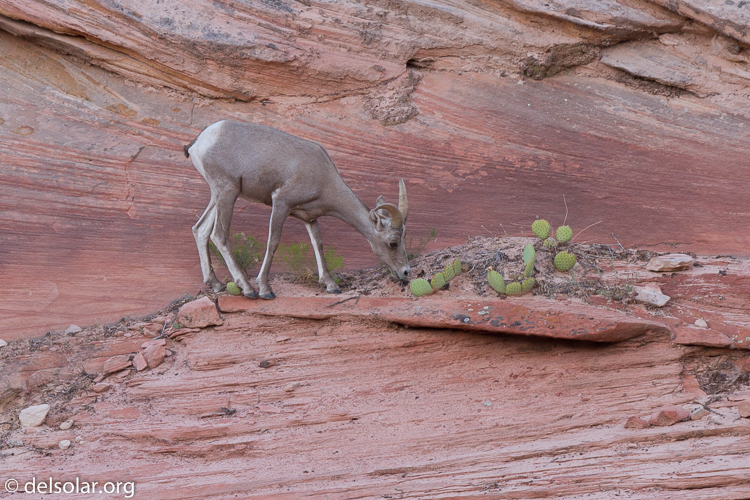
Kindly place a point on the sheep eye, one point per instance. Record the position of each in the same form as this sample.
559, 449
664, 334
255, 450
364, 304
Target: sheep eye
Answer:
393, 245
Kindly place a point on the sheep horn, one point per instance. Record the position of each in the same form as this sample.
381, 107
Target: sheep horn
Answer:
403, 203
397, 220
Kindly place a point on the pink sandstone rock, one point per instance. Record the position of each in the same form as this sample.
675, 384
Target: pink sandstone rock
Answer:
198, 314
116, 364
154, 355
139, 362
668, 416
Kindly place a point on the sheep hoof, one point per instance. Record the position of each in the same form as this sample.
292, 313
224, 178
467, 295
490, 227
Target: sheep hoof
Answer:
335, 290
251, 294
268, 296
218, 287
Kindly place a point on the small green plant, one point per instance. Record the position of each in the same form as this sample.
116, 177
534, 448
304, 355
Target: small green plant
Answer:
233, 289
299, 259
564, 261
529, 270
414, 250
564, 234
529, 253
246, 250
496, 281
456, 266
541, 228
438, 281
420, 287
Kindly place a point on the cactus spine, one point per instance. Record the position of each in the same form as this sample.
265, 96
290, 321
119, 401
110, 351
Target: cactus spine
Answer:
513, 289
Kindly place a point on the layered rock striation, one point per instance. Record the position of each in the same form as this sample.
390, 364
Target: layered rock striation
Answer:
633, 110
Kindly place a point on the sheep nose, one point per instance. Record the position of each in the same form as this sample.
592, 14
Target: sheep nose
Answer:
406, 272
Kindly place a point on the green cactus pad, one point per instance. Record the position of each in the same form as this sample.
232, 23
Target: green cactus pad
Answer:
527, 285
549, 243
541, 228
496, 281
420, 287
438, 281
564, 261
528, 253
233, 289
513, 289
564, 233
529, 267
456, 264
449, 273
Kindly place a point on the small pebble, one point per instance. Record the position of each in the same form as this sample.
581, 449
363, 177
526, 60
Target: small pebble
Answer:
2, 343
79, 439
701, 323
64, 444
470, 310
66, 425
488, 403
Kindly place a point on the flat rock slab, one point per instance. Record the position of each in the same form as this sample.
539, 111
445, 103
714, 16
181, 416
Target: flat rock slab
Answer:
544, 318
670, 262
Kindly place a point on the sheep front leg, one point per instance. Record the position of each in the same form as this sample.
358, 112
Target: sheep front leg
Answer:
324, 276
220, 237
279, 213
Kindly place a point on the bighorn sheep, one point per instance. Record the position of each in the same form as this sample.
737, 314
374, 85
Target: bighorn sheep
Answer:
295, 177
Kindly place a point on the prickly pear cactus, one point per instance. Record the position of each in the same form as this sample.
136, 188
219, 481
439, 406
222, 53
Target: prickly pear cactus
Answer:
564, 233
496, 281
528, 253
527, 285
529, 267
513, 289
564, 261
456, 264
449, 273
420, 287
233, 289
541, 228
549, 243
438, 281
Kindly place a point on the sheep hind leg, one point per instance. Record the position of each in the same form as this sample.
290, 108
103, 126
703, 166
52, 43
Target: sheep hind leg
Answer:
220, 237
324, 276
201, 231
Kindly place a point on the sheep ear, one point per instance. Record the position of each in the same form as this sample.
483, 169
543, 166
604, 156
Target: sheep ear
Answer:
377, 219
380, 201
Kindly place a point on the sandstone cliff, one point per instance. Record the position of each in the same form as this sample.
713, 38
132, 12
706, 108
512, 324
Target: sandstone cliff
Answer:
634, 110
